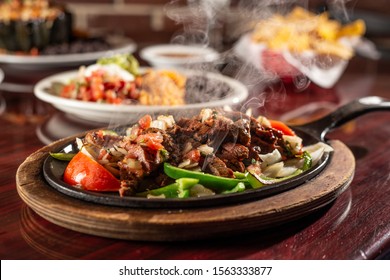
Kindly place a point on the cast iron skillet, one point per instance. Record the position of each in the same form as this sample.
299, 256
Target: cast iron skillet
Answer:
310, 133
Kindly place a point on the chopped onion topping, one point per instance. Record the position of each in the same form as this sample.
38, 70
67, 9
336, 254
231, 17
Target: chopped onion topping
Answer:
271, 158
168, 119
206, 114
205, 149
295, 143
133, 163
159, 124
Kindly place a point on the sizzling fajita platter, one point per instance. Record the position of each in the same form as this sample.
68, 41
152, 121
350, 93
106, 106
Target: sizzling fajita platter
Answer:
205, 188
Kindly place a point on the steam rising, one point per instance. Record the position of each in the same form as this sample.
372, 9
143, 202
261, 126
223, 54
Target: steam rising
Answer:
213, 23
210, 22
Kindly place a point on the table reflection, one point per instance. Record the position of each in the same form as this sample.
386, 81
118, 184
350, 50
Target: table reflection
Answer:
55, 242
21, 109
61, 125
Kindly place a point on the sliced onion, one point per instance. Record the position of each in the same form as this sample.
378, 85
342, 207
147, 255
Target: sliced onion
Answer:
89, 151
115, 153
187, 148
273, 170
133, 163
79, 143
286, 171
294, 162
317, 150
316, 146
168, 119
271, 158
295, 143
317, 155
184, 163
120, 150
265, 181
206, 114
155, 196
205, 149
199, 190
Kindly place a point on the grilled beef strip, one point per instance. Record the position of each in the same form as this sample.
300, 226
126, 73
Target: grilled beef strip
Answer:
233, 154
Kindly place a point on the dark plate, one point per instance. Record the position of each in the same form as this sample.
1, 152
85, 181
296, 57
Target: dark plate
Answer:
310, 133
53, 171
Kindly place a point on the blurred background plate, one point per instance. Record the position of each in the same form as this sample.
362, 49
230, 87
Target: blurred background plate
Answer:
110, 113
119, 45
179, 56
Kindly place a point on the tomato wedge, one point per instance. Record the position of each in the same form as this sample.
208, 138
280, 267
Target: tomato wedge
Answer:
89, 174
282, 127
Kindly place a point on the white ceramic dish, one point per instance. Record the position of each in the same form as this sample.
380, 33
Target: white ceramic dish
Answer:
120, 45
178, 56
119, 114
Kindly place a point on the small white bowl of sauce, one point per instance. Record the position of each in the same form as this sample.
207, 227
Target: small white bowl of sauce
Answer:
179, 56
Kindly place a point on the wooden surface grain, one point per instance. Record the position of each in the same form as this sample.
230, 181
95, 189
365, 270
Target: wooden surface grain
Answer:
354, 226
181, 224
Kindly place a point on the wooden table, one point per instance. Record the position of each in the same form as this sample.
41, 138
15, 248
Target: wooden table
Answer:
355, 226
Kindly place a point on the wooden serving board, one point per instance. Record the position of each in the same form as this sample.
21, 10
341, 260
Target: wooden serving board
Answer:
181, 224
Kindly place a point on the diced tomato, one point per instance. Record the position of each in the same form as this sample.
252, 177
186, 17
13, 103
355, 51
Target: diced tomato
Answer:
89, 174
193, 155
145, 121
84, 93
281, 126
151, 140
67, 90
103, 153
101, 86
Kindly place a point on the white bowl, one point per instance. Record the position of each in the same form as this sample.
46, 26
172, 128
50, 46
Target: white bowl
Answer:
178, 56
120, 113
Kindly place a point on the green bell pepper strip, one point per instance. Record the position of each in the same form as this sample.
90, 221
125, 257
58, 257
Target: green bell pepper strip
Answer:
307, 161
253, 181
239, 188
216, 183
179, 189
239, 175
62, 156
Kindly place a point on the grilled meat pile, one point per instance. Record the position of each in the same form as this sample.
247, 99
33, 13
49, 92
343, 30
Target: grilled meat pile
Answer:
214, 142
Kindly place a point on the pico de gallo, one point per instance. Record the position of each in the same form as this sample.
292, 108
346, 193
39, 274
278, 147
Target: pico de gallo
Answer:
117, 80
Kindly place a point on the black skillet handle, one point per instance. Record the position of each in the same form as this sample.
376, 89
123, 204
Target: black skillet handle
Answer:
346, 113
